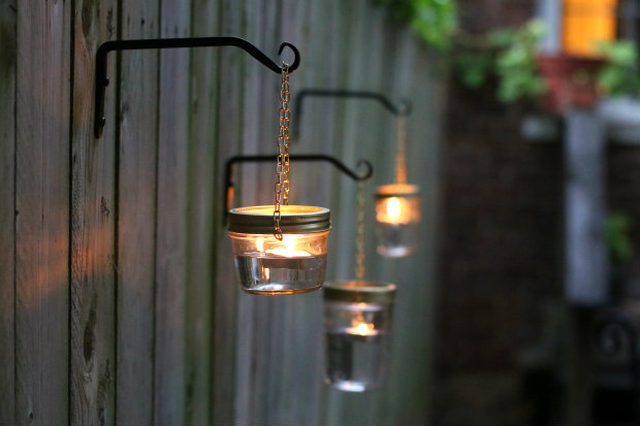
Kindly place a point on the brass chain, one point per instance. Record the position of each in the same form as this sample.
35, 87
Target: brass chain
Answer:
360, 230
401, 147
282, 185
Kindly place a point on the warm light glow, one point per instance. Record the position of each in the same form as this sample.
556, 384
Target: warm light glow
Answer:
288, 247
260, 244
363, 329
393, 208
586, 22
397, 210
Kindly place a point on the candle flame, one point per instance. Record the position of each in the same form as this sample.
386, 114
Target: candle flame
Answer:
394, 209
287, 248
260, 244
364, 329
361, 327
289, 243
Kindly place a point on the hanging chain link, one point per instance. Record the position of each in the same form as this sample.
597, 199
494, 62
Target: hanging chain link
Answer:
282, 184
401, 147
360, 230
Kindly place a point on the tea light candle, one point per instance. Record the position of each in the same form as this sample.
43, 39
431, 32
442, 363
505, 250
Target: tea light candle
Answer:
363, 329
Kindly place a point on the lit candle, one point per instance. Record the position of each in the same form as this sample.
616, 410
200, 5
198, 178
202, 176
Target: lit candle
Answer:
363, 329
285, 248
393, 208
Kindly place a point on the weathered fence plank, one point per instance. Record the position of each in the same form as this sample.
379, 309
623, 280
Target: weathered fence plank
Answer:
231, 76
7, 209
171, 242
138, 134
326, 32
406, 400
366, 71
296, 320
202, 185
42, 205
267, 357
93, 212
252, 141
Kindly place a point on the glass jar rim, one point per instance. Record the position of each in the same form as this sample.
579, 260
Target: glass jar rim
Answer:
355, 291
295, 219
397, 190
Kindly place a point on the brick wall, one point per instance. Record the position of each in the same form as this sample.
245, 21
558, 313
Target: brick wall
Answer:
623, 196
501, 254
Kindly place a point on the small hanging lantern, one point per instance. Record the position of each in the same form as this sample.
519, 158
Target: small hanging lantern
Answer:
358, 322
294, 263
398, 217
358, 318
398, 206
280, 249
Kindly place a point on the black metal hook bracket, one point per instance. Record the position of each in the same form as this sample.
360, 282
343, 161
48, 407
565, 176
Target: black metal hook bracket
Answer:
102, 81
402, 107
228, 176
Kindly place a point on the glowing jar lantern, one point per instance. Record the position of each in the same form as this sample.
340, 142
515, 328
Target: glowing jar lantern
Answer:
269, 266
358, 333
398, 218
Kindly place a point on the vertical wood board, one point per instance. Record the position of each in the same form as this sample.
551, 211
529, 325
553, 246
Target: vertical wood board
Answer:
93, 211
8, 18
200, 260
42, 213
137, 172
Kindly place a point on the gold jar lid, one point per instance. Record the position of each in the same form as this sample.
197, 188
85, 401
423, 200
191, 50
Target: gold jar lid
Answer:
294, 219
360, 291
397, 190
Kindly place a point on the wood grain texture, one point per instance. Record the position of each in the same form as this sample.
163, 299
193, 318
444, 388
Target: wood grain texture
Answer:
253, 141
8, 18
285, 388
42, 204
226, 289
366, 72
202, 220
171, 241
138, 131
404, 400
265, 356
93, 211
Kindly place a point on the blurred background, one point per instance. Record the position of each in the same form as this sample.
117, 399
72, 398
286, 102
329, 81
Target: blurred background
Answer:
537, 312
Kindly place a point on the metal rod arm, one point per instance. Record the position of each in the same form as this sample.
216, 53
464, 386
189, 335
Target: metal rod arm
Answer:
403, 107
229, 182
102, 81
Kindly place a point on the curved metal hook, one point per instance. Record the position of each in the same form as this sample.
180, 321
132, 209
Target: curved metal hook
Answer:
296, 54
403, 107
228, 178
369, 170
101, 79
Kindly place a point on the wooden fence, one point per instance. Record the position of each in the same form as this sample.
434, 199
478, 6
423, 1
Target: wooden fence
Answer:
118, 304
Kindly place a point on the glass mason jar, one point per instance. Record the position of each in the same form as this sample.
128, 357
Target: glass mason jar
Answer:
358, 333
398, 219
268, 266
